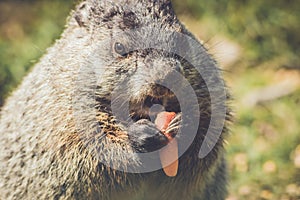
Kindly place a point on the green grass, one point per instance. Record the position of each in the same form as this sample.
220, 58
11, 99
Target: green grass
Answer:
263, 141
267, 29
25, 35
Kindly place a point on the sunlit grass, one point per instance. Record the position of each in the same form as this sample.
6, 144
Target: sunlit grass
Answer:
262, 146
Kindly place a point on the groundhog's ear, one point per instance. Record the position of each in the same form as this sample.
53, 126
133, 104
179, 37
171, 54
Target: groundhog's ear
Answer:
82, 14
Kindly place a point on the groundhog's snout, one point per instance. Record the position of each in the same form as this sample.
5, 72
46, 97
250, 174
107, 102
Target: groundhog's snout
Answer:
155, 76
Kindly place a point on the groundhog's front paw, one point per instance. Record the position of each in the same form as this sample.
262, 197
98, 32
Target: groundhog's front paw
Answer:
145, 137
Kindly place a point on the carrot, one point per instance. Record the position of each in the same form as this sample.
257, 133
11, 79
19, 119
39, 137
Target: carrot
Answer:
170, 152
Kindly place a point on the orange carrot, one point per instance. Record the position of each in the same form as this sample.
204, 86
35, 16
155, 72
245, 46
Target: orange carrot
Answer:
170, 152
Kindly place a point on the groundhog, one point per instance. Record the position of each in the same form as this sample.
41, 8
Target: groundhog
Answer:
84, 122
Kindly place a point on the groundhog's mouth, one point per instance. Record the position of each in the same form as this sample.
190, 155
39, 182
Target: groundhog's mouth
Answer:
151, 106
164, 112
155, 101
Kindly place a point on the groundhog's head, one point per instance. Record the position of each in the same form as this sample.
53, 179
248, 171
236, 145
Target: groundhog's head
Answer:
142, 61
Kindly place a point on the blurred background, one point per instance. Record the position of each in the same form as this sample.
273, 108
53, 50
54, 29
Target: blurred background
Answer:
257, 44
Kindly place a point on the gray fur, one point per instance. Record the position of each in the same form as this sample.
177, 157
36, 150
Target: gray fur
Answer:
42, 153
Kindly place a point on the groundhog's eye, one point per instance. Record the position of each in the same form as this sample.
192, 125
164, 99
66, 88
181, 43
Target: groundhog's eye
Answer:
120, 49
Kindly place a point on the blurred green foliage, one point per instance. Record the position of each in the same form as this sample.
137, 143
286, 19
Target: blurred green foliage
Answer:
27, 28
267, 29
264, 149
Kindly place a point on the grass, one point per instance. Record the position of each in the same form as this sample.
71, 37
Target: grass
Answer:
263, 146
25, 35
